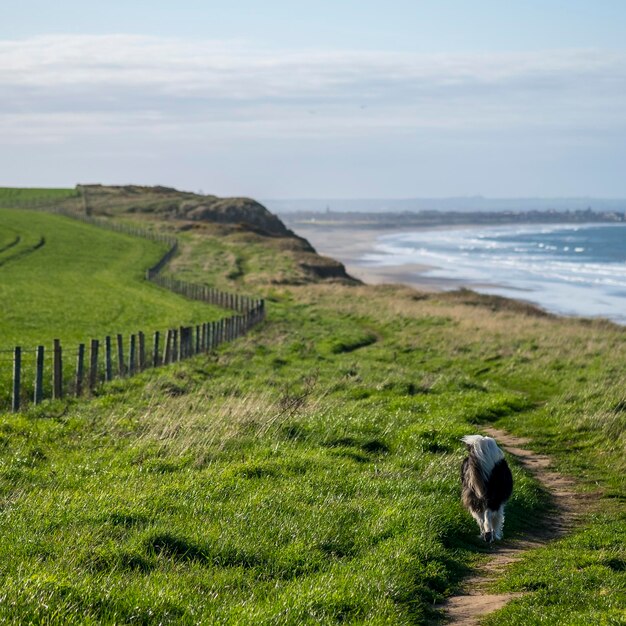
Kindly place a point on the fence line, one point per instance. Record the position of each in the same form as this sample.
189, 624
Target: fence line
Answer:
104, 365
41, 204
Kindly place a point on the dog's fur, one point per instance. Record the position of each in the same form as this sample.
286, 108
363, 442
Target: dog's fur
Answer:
487, 485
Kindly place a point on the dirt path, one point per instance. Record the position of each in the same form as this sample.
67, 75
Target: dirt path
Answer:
473, 602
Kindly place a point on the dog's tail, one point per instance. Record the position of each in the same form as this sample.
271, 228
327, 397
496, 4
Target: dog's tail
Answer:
484, 454
472, 440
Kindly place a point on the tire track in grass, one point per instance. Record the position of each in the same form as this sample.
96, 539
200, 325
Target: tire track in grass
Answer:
22, 252
473, 601
10, 244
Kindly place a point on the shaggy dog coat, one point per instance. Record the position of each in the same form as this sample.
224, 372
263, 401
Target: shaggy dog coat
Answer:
487, 485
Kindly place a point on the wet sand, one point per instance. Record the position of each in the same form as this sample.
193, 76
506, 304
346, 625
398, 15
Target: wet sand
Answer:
350, 245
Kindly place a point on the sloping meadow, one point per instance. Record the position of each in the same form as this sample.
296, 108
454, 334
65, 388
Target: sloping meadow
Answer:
307, 473
63, 279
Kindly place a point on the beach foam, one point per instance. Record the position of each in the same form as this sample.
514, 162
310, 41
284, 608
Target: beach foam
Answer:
570, 269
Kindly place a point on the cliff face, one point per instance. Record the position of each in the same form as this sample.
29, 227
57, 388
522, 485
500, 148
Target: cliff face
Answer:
233, 215
181, 205
244, 211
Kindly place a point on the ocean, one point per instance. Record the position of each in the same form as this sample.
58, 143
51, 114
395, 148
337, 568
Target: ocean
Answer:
567, 269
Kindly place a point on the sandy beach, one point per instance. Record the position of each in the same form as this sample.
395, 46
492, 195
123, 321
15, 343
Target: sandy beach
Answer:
349, 245
569, 269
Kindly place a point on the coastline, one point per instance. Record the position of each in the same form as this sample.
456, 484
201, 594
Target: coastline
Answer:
561, 297
350, 245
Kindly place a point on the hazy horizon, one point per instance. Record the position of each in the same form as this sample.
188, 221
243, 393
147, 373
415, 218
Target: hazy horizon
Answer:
460, 203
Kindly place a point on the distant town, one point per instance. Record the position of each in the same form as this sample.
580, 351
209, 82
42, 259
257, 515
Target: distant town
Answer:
443, 218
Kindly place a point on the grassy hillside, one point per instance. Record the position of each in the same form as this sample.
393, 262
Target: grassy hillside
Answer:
82, 283
244, 260
245, 231
11, 197
309, 472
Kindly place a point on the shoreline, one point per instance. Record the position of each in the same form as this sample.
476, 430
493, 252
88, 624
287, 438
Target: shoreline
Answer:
350, 246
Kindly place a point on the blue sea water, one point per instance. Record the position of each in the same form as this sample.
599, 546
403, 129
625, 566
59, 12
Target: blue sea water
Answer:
569, 269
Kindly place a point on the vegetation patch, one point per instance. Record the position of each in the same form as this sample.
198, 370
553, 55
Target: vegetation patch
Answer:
348, 342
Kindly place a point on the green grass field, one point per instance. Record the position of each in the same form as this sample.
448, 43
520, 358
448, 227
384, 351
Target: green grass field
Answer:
83, 283
308, 474
11, 197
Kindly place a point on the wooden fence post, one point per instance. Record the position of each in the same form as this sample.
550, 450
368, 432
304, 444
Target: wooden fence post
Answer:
197, 350
38, 394
120, 356
142, 351
17, 378
188, 341
80, 368
108, 368
155, 350
93, 364
181, 343
167, 348
57, 371
132, 355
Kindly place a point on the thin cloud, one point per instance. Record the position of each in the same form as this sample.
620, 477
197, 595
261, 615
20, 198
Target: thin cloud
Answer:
57, 86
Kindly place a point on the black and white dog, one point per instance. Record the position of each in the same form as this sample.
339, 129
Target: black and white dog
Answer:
487, 485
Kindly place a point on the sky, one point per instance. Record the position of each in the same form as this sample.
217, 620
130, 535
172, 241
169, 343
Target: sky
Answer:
277, 99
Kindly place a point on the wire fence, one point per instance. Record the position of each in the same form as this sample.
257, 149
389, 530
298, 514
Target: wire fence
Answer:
40, 373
